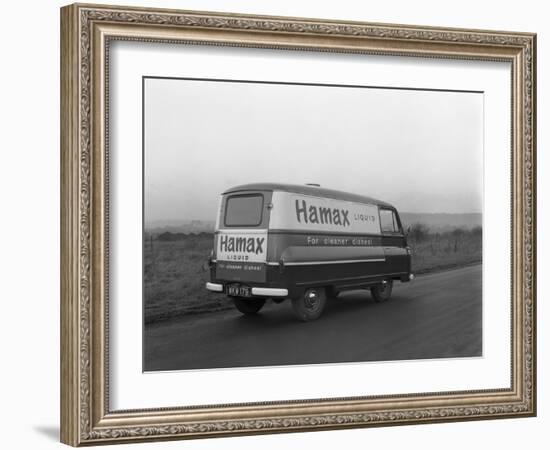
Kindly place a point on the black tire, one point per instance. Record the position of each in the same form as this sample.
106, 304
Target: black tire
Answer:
382, 292
248, 306
311, 305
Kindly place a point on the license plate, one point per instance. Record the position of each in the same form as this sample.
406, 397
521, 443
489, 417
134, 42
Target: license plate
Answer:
237, 290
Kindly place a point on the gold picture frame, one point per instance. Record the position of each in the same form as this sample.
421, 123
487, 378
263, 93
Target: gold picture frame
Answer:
86, 31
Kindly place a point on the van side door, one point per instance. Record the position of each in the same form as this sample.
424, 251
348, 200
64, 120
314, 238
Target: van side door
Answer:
393, 242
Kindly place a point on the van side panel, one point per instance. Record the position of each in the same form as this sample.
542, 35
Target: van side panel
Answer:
293, 248
299, 212
317, 259
323, 241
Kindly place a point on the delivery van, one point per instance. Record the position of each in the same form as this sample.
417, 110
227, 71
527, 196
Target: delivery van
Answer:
304, 243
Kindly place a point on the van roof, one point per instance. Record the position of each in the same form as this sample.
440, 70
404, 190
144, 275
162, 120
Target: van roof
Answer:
314, 191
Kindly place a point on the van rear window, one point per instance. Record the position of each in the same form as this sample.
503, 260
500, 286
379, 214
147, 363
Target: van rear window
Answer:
244, 210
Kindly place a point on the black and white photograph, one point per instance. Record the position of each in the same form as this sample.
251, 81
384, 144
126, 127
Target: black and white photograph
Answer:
280, 220
296, 224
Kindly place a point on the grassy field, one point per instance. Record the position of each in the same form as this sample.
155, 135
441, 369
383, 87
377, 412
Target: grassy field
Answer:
175, 273
438, 251
176, 270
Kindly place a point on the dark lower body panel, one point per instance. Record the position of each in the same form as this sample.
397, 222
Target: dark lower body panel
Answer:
297, 277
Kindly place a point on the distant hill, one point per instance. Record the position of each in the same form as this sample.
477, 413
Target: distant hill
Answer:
175, 226
442, 221
168, 236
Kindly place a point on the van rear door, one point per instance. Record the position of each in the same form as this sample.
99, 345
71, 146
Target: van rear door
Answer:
241, 240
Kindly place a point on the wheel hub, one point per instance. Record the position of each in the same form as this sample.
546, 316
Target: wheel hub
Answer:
311, 299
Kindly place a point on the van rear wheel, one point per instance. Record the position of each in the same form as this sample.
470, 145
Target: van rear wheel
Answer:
311, 305
248, 306
382, 292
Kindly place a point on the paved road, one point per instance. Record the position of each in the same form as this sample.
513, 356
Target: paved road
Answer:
437, 315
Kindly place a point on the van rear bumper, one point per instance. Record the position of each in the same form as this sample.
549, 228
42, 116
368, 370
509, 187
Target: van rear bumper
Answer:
214, 287
259, 291
270, 292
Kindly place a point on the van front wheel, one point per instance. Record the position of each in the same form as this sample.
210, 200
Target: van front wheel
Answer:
310, 306
382, 292
248, 306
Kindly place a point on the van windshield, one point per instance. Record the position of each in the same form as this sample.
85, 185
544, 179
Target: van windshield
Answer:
244, 210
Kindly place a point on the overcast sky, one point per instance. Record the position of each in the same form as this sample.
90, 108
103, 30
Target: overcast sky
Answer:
419, 150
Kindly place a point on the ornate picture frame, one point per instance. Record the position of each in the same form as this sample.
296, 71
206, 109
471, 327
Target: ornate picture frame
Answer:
86, 33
